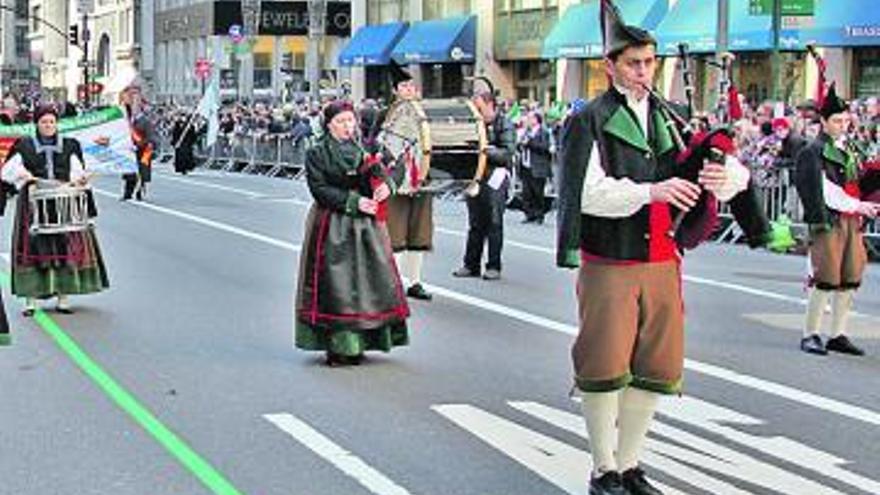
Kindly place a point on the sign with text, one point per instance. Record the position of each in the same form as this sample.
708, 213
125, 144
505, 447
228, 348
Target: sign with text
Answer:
283, 18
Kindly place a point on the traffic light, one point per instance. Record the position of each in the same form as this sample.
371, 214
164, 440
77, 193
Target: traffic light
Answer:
73, 34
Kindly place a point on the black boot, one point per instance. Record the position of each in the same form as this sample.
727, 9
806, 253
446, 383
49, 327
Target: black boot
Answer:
608, 484
813, 345
635, 483
843, 345
417, 291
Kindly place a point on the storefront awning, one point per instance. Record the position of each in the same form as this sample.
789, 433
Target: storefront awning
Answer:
372, 45
579, 35
695, 22
443, 40
837, 23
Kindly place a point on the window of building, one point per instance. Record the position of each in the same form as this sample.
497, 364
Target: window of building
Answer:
438, 9
527, 4
35, 14
384, 11
21, 8
22, 45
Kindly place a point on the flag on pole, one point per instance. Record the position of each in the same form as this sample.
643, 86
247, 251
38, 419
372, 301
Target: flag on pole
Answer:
209, 108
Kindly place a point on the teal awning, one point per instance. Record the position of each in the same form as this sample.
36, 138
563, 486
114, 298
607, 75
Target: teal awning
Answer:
695, 22
372, 45
443, 40
579, 35
836, 23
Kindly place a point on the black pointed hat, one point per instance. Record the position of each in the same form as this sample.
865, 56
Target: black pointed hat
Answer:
398, 74
832, 104
616, 35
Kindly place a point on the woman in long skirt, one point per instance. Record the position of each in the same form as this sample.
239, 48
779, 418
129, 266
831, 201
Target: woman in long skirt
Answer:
349, 298
50, 265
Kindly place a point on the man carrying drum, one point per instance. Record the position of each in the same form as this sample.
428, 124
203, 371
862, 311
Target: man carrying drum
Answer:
410, 210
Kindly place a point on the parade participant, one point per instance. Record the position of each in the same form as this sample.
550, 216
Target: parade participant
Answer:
827, 180
619, 194
184, 134
144, 140
50, 265
349, 296
535, 167
410, 210
486, 208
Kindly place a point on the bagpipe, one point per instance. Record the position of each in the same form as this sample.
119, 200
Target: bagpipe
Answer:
698, 145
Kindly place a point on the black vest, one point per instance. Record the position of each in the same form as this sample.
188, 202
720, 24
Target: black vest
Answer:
48, 162
646, 160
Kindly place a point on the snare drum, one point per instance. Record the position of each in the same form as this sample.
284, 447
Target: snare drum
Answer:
446, 137
57, 208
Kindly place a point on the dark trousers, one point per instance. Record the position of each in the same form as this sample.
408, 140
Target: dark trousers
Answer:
132, 185
532, 195
486, 223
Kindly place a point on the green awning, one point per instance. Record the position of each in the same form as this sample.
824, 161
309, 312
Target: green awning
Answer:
695, 22
579, 35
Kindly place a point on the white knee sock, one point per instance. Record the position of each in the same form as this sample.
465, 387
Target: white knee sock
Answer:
815, 307
840, 306
600, 411
636, 414
415, 266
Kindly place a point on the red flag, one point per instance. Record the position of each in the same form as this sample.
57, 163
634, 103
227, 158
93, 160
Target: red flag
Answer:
734, 110
822, 89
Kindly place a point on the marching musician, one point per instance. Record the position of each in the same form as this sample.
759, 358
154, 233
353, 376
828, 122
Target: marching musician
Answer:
144, 139
410, 210
349, 296
827, 180
619, 193
50, 265
486, 208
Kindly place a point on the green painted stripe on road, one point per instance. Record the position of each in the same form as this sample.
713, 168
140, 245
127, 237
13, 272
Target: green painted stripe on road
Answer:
199, 467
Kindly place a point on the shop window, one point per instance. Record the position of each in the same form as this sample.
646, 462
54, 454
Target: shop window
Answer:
867, 73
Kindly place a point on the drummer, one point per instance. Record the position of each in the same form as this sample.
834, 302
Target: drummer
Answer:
50, 265
410, 210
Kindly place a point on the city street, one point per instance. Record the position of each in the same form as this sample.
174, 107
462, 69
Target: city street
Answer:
182, 379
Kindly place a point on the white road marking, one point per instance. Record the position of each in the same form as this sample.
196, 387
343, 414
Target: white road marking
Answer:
345, 461
669, 456
744, 289
790, 393
558, 463
209, 223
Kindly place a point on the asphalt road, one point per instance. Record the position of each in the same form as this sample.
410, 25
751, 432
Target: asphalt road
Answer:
197, 328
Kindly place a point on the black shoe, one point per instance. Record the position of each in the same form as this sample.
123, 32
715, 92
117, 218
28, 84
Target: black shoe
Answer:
539, 220
492, 274
125, 198
528, 220
28, 313
417, 291
64, 311
609, 483
843, 345
465, 272
635, 483
813, 345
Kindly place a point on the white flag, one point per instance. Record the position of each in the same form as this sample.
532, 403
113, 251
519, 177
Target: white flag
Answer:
209, 107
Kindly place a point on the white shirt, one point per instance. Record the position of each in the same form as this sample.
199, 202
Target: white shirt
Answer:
604, 196
14, 169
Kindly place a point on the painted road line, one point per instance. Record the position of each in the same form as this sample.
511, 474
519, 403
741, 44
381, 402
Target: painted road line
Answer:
668, 455
744, 289
556, 462
345, 461
173, 444
209, 223
790, 393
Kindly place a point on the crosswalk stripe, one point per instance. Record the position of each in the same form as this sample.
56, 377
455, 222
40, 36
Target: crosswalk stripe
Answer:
556, 462
345, 461
699, 452
809, 399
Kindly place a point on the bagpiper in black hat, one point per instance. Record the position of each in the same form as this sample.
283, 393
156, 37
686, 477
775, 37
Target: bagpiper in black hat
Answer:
398, 74
833, 104
618, 36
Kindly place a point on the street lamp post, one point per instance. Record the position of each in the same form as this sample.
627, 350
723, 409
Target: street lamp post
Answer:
317, 17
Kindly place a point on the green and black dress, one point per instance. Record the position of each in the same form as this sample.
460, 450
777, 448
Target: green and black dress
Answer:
47, 265
349, 295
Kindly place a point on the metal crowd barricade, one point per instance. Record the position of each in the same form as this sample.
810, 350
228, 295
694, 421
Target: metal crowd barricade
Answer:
272, 155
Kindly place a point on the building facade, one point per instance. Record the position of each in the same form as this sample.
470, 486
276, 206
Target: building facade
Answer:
260, 48
17, 74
